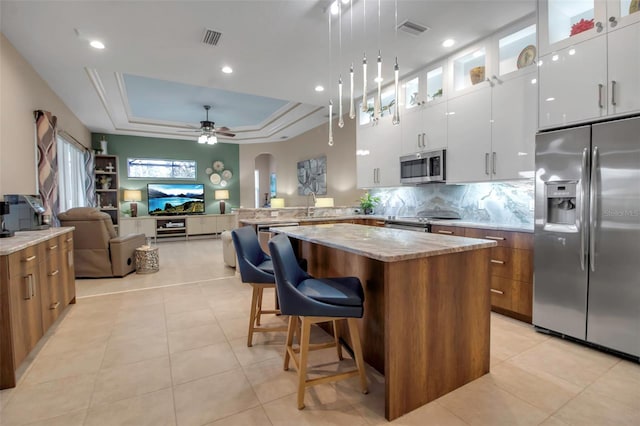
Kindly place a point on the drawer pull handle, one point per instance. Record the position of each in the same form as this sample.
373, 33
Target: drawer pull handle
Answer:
493, 290
57, 271
69, 240
499, 262
53, 247
30, 258
54, 306
489, 237
445, 232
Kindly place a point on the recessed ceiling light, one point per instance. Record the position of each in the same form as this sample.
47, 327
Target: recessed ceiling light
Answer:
227, 69
448, 42
334, 8
96, 44
319, 89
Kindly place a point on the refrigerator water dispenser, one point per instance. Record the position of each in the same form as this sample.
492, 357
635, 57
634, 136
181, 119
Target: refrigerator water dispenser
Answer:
561, 203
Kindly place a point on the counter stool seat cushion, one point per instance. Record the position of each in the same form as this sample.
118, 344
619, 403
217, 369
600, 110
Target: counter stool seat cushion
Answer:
343, 291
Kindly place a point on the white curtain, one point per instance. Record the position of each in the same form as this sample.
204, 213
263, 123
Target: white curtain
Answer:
71, 176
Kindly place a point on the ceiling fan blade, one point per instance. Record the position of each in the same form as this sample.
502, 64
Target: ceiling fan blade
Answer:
225, 134
223, 128
189, 131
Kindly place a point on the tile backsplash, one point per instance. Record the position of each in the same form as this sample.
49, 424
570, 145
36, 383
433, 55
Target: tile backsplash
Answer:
506, 203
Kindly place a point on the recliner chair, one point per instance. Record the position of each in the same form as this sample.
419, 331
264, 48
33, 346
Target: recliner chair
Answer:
97, 250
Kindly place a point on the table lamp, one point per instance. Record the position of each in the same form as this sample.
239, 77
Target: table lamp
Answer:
4, 209
222, 194
277, 203
133, 195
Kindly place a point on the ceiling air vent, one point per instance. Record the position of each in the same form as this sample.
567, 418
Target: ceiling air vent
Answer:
412, 28
211, 37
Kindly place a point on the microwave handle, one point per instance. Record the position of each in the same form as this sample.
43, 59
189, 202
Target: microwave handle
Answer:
486, 163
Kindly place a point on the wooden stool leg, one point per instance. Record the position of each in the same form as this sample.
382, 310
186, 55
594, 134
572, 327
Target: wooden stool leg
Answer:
252, 316
304, 351
337, 340
259, 308
293, 324
357, 351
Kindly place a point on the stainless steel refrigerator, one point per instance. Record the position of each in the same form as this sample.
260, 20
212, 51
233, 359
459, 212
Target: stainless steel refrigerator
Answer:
587, 234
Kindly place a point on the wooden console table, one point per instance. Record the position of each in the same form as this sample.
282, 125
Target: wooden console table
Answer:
427, 309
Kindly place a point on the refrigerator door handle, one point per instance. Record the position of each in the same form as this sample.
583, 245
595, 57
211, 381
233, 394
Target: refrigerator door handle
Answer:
593, 209
583, 208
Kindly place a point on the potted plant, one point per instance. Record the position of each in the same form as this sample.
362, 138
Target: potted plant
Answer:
367, 203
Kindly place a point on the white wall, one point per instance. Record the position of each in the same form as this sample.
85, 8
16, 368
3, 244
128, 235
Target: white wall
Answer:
22, 91
341, 164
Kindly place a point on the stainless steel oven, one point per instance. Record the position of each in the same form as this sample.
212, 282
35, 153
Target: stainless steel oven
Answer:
423, 167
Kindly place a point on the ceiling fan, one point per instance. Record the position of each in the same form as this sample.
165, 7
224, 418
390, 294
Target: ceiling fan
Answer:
208, 131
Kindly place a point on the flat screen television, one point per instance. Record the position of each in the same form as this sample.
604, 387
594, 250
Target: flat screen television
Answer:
175, 198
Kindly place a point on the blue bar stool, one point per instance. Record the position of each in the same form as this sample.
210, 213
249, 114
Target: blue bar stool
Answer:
308, 300
256, 269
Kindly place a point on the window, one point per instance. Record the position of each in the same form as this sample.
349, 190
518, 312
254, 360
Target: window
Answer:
161, 169
72, 176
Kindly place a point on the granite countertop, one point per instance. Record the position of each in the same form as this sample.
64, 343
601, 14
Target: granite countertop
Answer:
23, 239
385, 244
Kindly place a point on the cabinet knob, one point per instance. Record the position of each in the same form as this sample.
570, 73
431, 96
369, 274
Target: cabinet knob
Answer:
613, 22
599, 27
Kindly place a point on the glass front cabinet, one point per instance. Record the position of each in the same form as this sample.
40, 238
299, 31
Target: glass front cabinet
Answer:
423, 118
590, 60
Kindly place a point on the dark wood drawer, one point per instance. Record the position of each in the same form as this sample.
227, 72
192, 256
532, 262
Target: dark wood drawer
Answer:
511, 263
448, 230
501, 292
519, 240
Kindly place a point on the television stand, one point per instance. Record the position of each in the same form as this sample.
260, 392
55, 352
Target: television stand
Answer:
174, 227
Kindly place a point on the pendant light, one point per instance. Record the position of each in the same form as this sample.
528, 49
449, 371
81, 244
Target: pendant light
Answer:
396, 75
330, 142
377, 107
352, 112
340, 119
330, 121
364, 59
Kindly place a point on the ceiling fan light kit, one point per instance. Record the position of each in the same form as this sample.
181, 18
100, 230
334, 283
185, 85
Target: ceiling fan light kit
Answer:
208, 131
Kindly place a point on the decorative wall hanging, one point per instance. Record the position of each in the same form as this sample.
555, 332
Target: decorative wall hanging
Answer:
312, 176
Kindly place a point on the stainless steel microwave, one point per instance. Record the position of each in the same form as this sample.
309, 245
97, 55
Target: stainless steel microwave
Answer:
423, 167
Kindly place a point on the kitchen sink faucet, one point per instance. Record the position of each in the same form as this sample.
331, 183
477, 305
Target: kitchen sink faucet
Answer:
313, 194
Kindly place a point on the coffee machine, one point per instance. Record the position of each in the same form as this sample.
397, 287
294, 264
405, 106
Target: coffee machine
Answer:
4, 210
26, 213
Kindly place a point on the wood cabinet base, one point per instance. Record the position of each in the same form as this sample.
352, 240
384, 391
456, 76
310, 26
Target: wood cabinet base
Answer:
426, 321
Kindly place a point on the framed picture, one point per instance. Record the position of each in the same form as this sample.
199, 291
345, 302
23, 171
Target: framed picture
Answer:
312, 176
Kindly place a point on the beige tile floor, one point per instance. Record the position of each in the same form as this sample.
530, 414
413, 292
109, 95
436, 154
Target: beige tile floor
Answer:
170, 349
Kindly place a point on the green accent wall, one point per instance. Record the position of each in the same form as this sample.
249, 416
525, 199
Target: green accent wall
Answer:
174, 149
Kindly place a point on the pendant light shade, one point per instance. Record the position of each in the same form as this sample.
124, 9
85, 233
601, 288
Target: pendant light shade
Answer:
352, 112
396, 109
364, 83
340, 120
330, 123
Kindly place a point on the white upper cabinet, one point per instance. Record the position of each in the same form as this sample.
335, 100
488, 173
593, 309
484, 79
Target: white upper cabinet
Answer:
591, 60
565, 23
491, 131
378, 144
424, 120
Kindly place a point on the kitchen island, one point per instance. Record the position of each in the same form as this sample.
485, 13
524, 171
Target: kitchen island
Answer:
427, 306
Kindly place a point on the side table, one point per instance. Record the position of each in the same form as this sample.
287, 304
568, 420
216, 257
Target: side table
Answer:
147, 260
